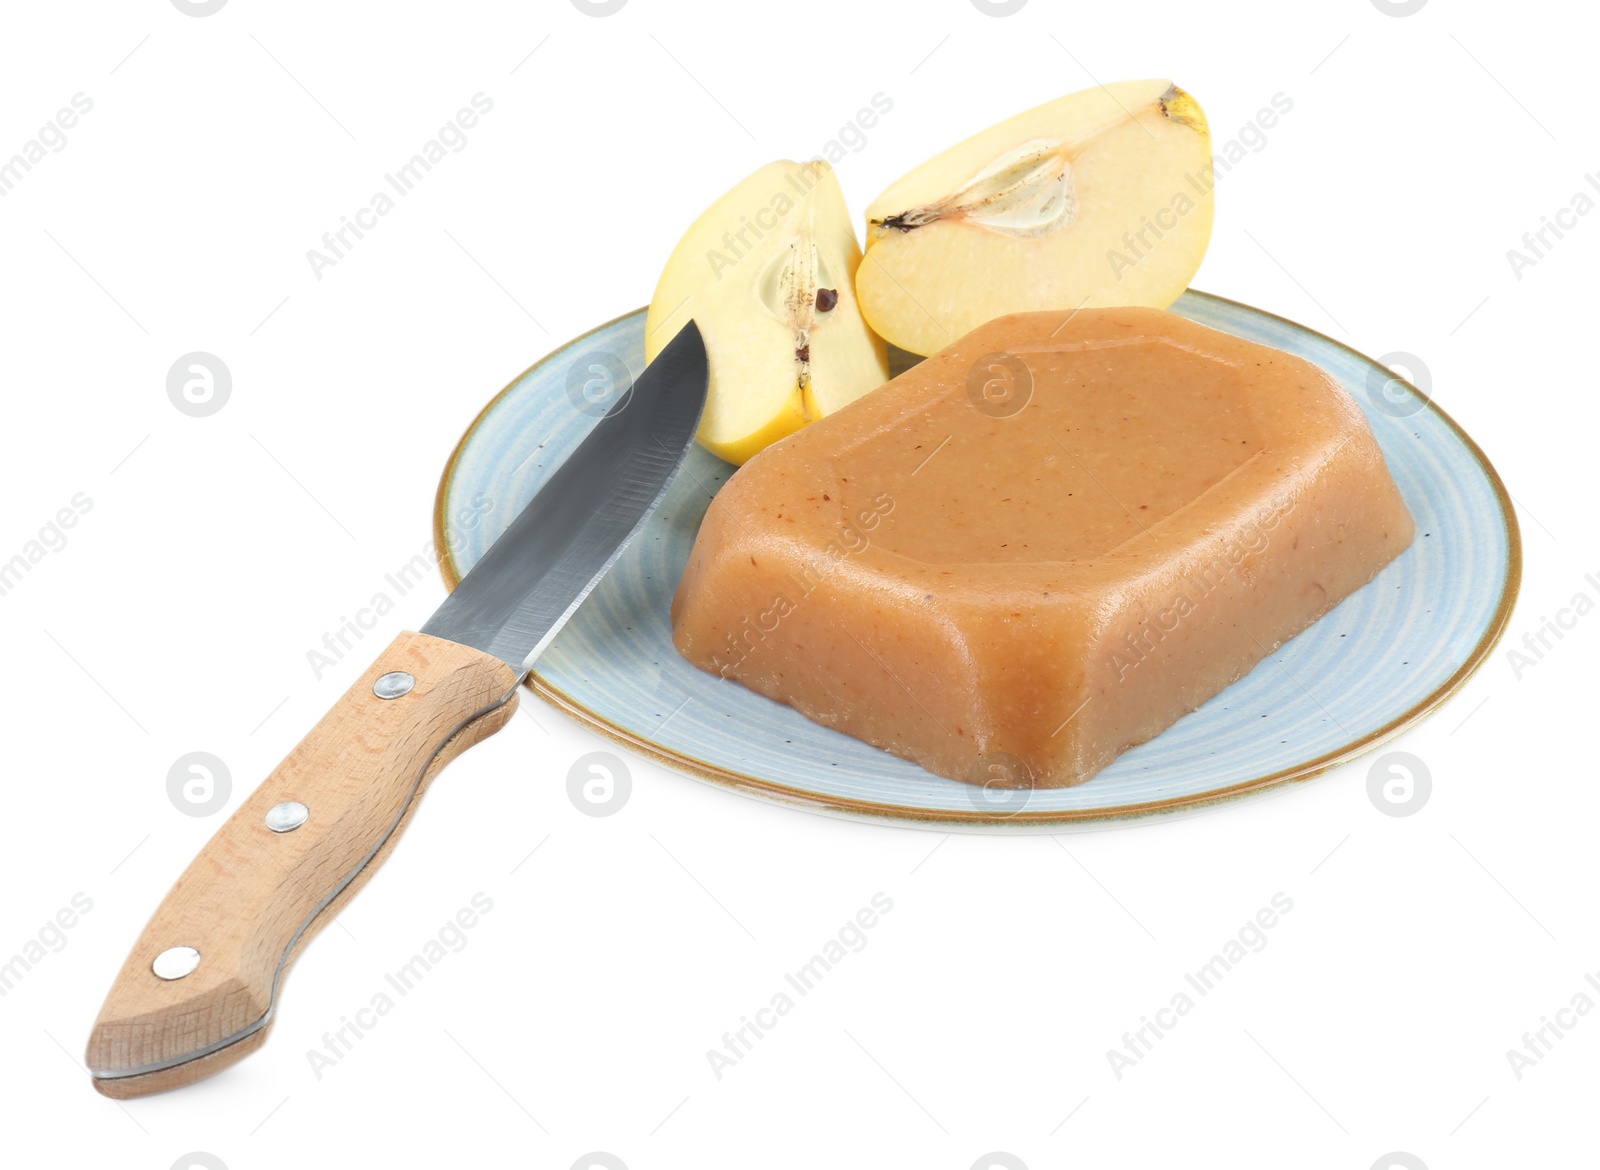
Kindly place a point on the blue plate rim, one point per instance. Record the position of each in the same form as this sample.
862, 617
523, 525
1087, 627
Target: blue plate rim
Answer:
947, 819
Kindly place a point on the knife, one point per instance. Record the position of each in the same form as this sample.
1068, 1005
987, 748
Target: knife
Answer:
200, 989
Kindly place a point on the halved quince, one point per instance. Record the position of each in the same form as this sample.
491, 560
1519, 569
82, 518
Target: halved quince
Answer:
768, 274
1099, 198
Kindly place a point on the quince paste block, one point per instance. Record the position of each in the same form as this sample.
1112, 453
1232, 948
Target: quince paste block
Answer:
1042, 545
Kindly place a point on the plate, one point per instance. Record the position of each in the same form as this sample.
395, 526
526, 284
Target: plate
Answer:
1374, 665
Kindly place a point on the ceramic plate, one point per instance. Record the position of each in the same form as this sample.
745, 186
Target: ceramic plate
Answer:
1377, 663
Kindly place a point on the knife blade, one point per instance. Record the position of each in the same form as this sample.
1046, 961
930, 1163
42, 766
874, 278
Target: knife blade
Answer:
200, 988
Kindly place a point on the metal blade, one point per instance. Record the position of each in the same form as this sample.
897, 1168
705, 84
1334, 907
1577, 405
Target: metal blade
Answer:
536, 574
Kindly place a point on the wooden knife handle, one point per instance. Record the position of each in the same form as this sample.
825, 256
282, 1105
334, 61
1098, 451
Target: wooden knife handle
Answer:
254, 895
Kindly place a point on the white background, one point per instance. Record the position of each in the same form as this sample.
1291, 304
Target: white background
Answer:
219, 550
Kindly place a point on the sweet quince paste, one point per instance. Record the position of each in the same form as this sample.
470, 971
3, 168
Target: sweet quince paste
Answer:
1042, 545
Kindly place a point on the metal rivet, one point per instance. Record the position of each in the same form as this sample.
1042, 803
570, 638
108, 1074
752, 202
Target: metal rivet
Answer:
393, 685
286, 817
175, 962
